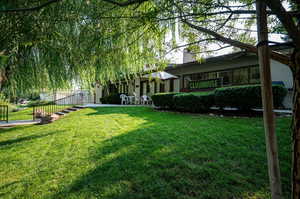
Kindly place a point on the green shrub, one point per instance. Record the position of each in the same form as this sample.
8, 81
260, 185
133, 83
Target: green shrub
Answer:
37, 103
194, 102
113, 98
34, 96
163, 100
246, 97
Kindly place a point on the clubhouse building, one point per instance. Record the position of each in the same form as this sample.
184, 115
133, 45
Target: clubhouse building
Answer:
239, 68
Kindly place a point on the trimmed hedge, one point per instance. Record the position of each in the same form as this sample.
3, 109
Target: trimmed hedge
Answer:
164, 100
194, 102
37, 103
113, 98
191, 102
241, 97
246, 97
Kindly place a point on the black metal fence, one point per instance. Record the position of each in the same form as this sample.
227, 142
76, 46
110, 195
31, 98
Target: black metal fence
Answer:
60, 105
4, 113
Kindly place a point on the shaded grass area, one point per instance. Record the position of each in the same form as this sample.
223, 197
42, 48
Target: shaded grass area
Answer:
137, 152
25, 114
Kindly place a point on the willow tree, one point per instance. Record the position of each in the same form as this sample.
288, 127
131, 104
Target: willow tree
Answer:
52, 44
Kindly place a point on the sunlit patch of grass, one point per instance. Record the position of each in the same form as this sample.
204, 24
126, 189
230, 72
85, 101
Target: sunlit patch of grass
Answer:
137, 152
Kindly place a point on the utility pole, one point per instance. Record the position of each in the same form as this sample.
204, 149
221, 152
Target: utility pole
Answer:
267, 99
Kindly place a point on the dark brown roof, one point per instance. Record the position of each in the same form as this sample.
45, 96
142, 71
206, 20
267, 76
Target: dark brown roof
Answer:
211, 59
225, 57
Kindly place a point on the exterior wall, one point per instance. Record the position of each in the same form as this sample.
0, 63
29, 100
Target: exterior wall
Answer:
288, 100
187, 57
152, 87
176, 85
167, 85
55, 95
59, 94
281, 72
144, 88
47, 97
158, 82
130, 87
214, 66
137, 86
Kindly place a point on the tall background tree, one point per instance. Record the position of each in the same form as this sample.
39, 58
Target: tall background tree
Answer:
55, 41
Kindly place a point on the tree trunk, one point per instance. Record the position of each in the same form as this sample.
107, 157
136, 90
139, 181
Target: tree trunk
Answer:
267, 100
296, 130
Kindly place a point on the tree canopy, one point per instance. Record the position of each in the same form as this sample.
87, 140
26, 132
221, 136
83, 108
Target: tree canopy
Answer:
50, 43
67, 41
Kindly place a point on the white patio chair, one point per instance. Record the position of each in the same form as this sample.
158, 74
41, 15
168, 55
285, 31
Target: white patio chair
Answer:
145, 99
124, 99
131, 99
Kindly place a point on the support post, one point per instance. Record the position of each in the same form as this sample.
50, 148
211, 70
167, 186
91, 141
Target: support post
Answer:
267, 100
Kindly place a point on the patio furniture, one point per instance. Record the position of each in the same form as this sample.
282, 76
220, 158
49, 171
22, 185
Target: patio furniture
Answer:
145, 99
131, 99
160, 75
124, 99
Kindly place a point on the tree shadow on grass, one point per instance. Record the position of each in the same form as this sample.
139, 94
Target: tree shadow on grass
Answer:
175, 162
26, 138
9, 129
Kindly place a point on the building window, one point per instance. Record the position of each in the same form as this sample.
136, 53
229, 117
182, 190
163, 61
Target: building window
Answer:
212, 75
148, 87
171, 85
161, 87
186, 80
240, 76
226, 77
254, 75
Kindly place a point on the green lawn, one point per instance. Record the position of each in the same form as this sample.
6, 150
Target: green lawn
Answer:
25, 114
136, 153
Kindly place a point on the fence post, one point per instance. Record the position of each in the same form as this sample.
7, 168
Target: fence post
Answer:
6, 113
33, 113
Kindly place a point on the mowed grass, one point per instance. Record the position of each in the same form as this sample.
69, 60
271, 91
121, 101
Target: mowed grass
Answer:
137, 152
24, 114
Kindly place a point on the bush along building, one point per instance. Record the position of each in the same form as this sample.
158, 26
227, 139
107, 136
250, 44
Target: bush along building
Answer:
230, 70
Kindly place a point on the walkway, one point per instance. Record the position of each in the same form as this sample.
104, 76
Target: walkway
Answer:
114, 105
